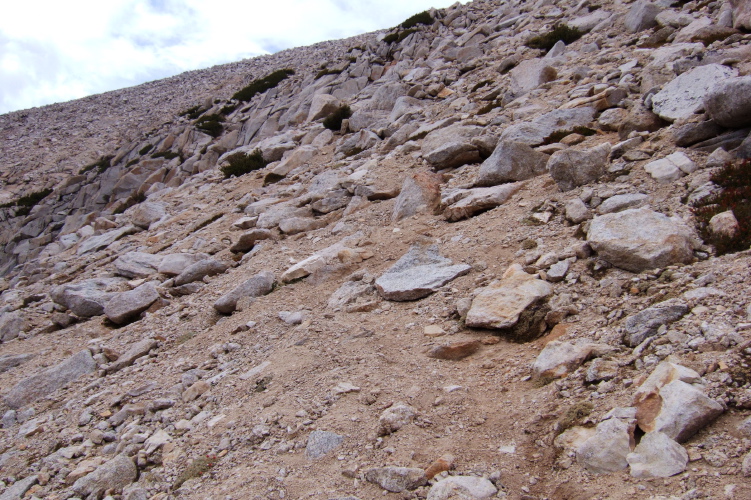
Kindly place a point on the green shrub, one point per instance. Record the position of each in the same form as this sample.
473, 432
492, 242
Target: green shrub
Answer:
101, 165
166, 154
211, 124
421, 18
325, 72
734, 181
132, 162
145, 149
546, 41
399, 36
262, 85
192, 113
242, 163
229, 108
335, 119
25, 203
391, 38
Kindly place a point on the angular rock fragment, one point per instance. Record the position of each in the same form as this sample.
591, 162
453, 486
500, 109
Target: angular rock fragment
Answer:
500, 304
18, 490
645, 323
321, 443
11, 325
640, 239
511, 161
461, 487
138, 264
657, 455
139, 349
684, 96
147, 213
670, 168
395, 417
621, 202
125, 306
113, 475
558, 358
9, 361
420, 272
420, 192
530, 74
48, 381
475, 201
451, 147
455, 351
607, 450
729, 103
641, 16
571, 168
396, 479
260, 284
683, 410
175, 263
199, 270
247, 240
102, 241
86, 298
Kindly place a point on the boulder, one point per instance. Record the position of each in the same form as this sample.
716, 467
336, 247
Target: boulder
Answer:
642, 16
741, 14
621, 202
541, 128
296, 225
607, 450
248, 240
395, 417
558, 359
684, 95
680, 411
102, 241
724, 225
260, 284
138, 350
421, 192
729, 102
48, 381
477, 200
638, 327
138, 264
500, 304
511, 161
199, 270
147, 213
451, 146
396, 479
657, 456
322, 106
576, 211
11, 325
115, 475
530, 74
125, 306
571, 168
86, 298
462, 487
420, 272
640, 239
321, 443
175, 263
670, 168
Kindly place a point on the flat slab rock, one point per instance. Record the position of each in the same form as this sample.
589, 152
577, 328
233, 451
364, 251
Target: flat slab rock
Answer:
420, 272
396, 479
684, 95
640, 239
500, 304
657, 456
128, 305
474, 201
460, 487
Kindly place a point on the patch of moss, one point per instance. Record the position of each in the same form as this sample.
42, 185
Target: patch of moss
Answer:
262, 84
242, 163
529, 244
560, 32
25, 203
734, 180
423, 17
196, 468
211, 124
335, 119
398, 36
144, 150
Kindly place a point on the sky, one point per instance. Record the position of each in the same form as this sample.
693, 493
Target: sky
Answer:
53, 51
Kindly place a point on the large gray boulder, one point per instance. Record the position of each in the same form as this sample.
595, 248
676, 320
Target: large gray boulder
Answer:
657, 456
608, 449
420, 272
127, 305
147, 213
511, 161
138, 264
530, 74
48, 381
683, 411
640, 239
175, 263
260, 284
199, 270
86, 298
642, 16
538, 130
729, 102
462, 487
115, 475
11, 325
684, 95
322, 106
451, 146
248, 240
571, 168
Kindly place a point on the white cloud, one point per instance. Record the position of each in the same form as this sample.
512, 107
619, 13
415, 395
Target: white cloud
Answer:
53, 51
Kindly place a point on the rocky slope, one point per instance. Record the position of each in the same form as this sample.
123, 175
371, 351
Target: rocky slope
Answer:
491, 281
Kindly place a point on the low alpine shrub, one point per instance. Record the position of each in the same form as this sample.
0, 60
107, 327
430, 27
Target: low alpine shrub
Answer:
335, 119
262, 84
242, 163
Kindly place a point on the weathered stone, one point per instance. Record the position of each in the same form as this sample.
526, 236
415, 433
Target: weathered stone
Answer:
86, 298
477, 200
621, 202
558, 359
690, 133
197, 271
541, 128
670, 168
657, 456
420, 192
138, 350
11, 325
530, 74
247, 240
663, 374
18, 490
683, 410
420, 272
724, 225
511, 161
729, 102
684, 96
102, 241
607, 450
462, 487
334, 200
147, 213
113, 475
175, 263
451, 147
195, 391
640, 239
455, 351
601, 369
641, 16
9, 361
296, 225
321, 443
500, 304
322, 106
646, 323
138, 264
571, 168
396, 479
48, 381
577, 211
395, 417
260, 284
741, 10
128, 305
